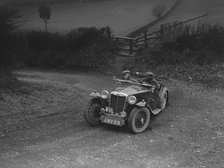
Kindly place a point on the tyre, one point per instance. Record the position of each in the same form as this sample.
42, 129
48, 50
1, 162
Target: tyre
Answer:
92, 114
139, 119
164, 100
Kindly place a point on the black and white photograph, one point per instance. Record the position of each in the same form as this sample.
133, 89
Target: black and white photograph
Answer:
111, 83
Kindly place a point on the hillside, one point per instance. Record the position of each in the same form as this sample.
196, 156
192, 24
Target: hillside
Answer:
188, 9
122, 16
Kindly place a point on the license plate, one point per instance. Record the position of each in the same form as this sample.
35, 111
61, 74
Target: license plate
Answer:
109, 109
112, 121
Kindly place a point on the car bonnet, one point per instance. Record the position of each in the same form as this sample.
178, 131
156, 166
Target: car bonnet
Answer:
130, 90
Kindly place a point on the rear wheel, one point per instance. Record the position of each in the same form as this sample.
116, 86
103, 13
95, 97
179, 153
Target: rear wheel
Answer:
92, 114
139, 119
164, 100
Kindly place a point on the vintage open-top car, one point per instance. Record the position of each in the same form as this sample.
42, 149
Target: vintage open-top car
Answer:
132, 102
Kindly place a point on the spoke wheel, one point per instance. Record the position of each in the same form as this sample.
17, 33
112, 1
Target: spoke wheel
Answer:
92, 114
139, 119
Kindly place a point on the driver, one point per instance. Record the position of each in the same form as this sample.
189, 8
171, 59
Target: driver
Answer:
126, 75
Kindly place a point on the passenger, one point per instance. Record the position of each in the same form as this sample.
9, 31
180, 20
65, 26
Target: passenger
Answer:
149, 78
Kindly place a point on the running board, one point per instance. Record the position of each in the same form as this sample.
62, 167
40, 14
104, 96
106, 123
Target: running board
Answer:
156, 111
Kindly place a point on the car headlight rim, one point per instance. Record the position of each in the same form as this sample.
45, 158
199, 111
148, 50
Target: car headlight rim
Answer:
104, 94
132, 99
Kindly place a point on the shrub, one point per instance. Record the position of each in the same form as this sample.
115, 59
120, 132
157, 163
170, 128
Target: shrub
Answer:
7, 15
7, 41
80, 48
158, 10
200, 45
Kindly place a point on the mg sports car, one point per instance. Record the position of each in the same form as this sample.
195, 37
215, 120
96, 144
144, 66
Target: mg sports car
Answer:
131, 103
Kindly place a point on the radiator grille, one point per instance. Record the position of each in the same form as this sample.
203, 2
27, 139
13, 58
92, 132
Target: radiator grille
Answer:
117, 103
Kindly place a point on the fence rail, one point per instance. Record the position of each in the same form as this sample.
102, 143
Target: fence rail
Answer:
131, 45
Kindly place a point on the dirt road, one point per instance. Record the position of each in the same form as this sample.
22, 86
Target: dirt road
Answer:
49, 131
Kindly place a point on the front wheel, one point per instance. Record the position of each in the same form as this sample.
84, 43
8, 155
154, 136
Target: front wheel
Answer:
92, 114
139, 119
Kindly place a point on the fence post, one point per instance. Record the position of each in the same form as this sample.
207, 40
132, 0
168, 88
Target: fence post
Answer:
161, 32
131, 46
145, 38
116, 40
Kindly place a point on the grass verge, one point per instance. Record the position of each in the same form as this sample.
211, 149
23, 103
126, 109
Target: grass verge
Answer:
190, 53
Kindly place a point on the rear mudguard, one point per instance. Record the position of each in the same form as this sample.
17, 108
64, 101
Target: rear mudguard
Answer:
162, 91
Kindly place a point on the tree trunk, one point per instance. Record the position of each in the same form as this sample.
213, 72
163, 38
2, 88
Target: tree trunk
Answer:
45, 22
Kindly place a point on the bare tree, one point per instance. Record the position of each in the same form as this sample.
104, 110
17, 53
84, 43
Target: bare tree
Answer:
44, 13
158, 10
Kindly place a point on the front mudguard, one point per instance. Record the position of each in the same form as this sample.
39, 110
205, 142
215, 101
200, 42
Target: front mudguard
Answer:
143, 104
95, 94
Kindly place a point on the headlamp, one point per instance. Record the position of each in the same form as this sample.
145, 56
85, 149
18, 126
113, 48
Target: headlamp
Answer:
132, 99
104, 94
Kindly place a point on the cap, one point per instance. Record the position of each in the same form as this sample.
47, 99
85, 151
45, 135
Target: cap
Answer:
149, 73
126, 72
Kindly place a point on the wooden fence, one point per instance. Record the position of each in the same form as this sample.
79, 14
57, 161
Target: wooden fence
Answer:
129, 46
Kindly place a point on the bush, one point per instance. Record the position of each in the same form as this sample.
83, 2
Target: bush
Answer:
158, 10
7, 15
80, 48
203, 44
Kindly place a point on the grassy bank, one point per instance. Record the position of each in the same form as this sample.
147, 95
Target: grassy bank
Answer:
190, 53
8, 82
